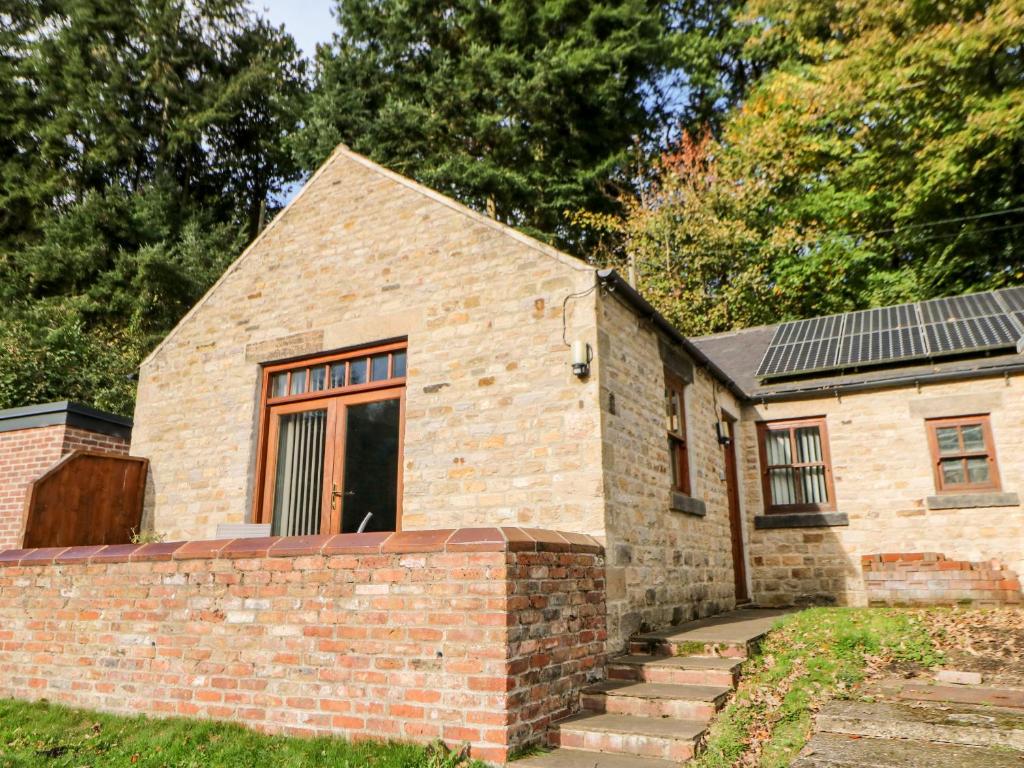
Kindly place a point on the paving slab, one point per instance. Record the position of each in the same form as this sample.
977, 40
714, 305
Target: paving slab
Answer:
959, 694
577, 758
964, 724
733, 627
830, 750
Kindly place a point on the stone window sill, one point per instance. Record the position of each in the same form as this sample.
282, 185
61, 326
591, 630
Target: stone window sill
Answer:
680, 502
801, 520
972, 500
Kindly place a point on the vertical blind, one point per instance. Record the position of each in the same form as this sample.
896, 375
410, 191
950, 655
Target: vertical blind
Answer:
796, 484
298, 487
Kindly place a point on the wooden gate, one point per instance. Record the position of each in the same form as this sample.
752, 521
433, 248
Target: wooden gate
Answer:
86, 498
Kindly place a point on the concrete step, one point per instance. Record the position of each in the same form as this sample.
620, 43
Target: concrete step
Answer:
963, 724
984, 695
573, 758
681, 670
831, 750
734, 634
684, 702
659, 737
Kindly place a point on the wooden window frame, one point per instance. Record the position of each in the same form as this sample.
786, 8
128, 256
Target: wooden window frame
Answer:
792, 425
982, 419
354, 394
678, 445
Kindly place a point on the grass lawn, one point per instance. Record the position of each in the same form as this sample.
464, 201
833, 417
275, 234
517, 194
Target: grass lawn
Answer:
44, 734
811, 656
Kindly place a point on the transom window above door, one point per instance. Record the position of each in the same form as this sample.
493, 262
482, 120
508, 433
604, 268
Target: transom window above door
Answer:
351, 371
331, 432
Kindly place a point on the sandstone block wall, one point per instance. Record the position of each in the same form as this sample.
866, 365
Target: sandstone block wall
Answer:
474, 635
497, 428
664, 566
25, 454
883, 482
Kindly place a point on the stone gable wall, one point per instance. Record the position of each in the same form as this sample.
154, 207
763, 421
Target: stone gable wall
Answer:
498, 430
664, 566
479, 636
883, 480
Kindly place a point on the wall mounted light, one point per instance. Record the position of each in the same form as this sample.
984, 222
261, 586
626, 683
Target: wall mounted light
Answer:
722, 430
581, 357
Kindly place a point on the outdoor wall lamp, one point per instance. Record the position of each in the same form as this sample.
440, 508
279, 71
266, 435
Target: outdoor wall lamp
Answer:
582, 354
722, 430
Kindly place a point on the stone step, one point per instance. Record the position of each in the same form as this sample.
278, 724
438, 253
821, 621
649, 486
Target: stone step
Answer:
659, 737
831, 750
574, 758
962, 724
734, 634
962, 694
684, 702
681, 670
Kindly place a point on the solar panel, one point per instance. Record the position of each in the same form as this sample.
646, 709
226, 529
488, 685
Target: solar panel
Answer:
971, 323
802, 346
956, 325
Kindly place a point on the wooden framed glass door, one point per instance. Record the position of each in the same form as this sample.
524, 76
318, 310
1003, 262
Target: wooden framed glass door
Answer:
331, 444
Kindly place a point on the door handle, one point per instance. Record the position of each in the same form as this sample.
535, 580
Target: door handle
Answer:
335, 493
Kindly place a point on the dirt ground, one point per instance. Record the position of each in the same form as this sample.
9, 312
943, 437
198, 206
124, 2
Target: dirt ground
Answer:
985, 640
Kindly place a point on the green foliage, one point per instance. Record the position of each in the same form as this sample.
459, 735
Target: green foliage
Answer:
808, 657
142, 143
43, 734
523, 109
877, 120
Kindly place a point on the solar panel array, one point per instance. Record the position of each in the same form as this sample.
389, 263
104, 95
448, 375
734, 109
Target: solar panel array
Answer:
957, 325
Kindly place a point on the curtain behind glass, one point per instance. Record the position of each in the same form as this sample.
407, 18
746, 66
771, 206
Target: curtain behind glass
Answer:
298, 485
781, 480
808, 445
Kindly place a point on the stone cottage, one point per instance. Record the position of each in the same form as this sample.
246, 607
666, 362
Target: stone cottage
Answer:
561, 469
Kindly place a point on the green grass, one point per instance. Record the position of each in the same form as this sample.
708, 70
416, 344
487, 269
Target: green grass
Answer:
43, 734
808, 657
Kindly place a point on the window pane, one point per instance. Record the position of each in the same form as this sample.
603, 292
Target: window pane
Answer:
279, 385
378, 367
782, 483
948, 440
952, 471
357, 372
298, 382
977, 469
337, 375
398, 364
371, 466
813, 485
974, 437
808, 444
317, 376
673, 410
777, 446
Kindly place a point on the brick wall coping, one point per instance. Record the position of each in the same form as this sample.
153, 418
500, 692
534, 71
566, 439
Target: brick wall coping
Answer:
442, 540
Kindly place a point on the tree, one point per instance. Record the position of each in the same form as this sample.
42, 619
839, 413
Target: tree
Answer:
878, 162
523, 109
147, 140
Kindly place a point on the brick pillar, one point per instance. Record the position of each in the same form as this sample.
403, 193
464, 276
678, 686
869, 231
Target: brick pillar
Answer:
35, 437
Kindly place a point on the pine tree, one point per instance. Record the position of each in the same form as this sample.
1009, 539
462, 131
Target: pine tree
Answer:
522, 109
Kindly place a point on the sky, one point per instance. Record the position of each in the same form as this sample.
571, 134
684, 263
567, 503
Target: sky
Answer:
308, 21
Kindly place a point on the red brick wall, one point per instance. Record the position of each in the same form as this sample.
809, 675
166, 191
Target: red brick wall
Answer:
477, 635
25, 454
929, 578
